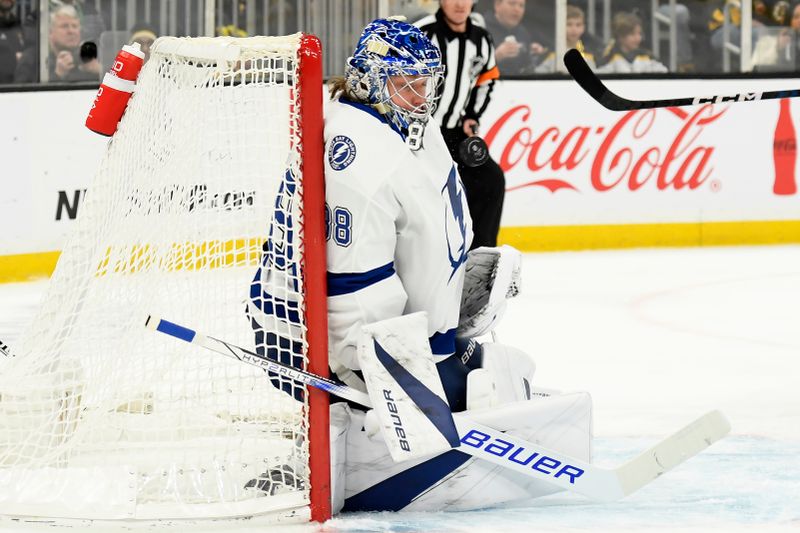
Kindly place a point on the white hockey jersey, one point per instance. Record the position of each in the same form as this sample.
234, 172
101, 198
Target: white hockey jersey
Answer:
398, 229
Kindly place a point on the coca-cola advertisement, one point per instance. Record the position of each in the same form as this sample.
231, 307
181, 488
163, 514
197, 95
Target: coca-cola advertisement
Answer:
568, 161
785, 151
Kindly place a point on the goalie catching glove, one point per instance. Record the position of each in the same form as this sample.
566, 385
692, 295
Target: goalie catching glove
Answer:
492, 276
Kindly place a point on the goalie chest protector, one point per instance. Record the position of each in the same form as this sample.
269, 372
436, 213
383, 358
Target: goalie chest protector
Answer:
398, 228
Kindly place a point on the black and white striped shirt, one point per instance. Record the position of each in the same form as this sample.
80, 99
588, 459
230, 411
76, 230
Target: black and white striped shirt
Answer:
470, 69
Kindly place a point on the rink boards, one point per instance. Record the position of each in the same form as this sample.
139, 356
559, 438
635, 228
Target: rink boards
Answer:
577, 176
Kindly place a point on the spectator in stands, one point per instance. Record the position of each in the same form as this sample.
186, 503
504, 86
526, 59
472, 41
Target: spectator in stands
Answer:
92, 24
716, 23
684, 59
64, 62
12, 40
624, 54
540, 20
416, 9
576, 29
782, 13
515, 49
231, 30
683, 35
778, 50
145, 35
642, 8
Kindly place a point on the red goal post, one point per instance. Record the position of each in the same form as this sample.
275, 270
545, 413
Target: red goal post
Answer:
316, 272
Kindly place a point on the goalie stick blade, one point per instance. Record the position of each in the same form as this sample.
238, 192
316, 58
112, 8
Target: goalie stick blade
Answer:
595, 88
503, 449
673, 451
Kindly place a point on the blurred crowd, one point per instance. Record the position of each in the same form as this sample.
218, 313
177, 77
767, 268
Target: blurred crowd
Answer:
524, 35
75, 30
80, 44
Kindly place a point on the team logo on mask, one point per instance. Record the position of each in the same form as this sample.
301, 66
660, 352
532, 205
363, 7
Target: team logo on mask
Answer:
341, 152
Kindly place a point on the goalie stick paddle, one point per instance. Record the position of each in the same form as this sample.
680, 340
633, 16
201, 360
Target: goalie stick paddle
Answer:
589, 82
508, 451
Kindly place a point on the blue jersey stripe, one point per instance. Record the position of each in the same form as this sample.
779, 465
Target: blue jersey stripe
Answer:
349, 282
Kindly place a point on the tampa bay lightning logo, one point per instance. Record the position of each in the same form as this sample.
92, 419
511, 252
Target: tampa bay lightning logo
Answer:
341, 152
455, 225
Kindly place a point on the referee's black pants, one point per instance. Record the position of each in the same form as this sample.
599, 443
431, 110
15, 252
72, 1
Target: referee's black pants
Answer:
485, 187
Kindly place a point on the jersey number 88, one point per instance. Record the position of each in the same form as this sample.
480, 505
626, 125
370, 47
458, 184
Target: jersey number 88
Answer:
338, 225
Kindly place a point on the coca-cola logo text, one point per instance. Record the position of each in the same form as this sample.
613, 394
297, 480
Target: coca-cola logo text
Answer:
615, 156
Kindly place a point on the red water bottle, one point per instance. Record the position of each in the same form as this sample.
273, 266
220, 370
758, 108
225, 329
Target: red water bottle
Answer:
115, 91
784, 151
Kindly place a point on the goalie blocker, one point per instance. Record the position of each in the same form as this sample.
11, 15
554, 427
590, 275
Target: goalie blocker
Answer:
403, 383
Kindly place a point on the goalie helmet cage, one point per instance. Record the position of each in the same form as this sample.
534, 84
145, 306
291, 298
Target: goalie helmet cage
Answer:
208, 206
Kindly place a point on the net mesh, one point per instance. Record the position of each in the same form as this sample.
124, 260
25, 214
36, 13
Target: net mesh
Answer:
195, 216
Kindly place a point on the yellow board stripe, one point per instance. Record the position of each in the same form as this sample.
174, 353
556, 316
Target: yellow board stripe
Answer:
205, 255
25, 267
556, 238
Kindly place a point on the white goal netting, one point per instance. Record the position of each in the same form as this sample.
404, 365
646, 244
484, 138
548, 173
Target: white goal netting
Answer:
199, 194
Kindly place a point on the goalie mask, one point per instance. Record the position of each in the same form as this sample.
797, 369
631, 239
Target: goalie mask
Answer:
398, 70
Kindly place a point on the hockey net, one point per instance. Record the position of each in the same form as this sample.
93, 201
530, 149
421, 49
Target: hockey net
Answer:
216, 163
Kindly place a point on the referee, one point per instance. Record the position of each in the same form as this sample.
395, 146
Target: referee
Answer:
470, 71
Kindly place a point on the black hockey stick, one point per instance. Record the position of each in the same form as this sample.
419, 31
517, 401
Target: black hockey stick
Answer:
590, 83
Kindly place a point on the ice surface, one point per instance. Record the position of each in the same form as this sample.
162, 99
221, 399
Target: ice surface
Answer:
658, 337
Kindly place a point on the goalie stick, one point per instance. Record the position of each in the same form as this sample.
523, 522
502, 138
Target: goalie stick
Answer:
590, 83
477, 440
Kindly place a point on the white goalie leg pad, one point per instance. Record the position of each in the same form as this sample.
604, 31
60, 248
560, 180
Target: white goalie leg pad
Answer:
562, 423
481, 390
492, 275
340, 424
511, 371
404, 387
